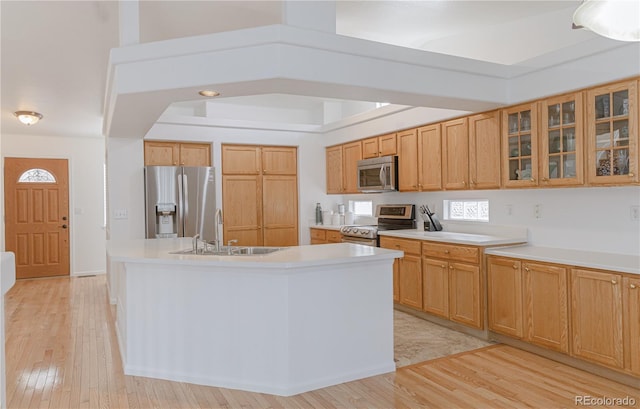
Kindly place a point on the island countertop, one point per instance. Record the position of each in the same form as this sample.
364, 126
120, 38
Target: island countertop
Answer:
160, 251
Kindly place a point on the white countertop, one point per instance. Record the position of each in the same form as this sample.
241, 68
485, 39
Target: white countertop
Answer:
326, 227
624, 263
454, 237
159, 251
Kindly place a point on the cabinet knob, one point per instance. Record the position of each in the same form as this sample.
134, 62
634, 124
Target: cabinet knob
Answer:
473, 182
446, 252
464, 183
614, 282
175, 163
632, 286
533, 179
515, 266
545, 179
526, 269
182, 163
264, 171
631, 175
442, 265
450, 267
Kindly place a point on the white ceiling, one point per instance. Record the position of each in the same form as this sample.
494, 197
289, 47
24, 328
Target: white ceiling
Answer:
55, 54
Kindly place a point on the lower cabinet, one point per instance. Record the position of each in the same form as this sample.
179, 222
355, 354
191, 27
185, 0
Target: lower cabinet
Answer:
324, 236
590, 314
596, 316
407, 271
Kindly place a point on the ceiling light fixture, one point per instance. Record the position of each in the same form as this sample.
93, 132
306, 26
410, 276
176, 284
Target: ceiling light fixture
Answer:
209, 93
28, 117
616, 19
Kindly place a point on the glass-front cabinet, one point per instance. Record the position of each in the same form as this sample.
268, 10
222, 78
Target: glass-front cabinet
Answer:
561, 141
612, 134
520, 145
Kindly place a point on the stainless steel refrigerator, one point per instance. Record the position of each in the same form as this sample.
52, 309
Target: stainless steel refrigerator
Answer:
180, 202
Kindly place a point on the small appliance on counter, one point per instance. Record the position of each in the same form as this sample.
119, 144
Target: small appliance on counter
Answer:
431, 222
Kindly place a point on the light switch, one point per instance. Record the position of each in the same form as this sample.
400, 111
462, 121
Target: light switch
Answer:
120, 214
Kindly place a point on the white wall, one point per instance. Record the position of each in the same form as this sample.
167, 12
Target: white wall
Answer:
125, 170
86, 194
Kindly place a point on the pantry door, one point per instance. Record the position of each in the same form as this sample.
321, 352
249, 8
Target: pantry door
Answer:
37, 215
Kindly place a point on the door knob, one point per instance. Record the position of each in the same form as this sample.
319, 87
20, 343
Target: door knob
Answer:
64, 217
64, 226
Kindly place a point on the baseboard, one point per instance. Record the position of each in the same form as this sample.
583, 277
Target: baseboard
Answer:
478, 333
87, 273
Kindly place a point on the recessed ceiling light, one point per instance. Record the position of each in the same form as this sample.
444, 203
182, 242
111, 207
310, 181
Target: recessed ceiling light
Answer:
28, 117
209, 93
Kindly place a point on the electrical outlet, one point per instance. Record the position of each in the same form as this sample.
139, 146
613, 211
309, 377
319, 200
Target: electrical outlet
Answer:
635, 213
537, 211
509, 209
120, 214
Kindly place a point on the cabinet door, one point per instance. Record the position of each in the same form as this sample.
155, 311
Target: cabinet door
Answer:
280, 210
351, 154
242, 204
504, 289
520, 146
612, 134
435, 287
545, 305
387, 145
334, 169
455, 154
465, 301
279, 160
370, 148
429, 158
410, 281
161, 153
631, 313
334, 237
596, 316
484, 151
195, 154
562, 141
408, 161
241, 160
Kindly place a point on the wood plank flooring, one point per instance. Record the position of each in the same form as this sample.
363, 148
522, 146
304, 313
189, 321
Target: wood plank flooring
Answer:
62, 352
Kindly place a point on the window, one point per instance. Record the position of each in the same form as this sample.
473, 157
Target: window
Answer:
361, 207
37, 176
466, 210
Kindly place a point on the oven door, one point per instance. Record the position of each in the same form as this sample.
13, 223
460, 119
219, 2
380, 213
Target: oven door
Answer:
360, 240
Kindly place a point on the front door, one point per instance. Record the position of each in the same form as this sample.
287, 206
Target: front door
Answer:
37, 215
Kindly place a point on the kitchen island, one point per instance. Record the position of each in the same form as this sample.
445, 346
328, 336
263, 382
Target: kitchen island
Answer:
283, 323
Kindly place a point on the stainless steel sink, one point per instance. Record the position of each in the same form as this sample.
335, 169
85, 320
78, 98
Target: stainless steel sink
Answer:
230, 251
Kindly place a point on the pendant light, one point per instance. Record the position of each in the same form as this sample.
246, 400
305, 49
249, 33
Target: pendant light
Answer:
615, 19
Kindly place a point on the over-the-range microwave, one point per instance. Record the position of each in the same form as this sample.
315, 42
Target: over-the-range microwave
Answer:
378, 174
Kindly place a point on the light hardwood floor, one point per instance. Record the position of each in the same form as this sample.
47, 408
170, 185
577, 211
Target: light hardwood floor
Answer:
62, 353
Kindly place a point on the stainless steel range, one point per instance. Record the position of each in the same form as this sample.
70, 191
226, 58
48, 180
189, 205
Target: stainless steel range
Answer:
390, 217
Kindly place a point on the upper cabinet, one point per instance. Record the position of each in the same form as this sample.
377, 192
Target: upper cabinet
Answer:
520, 146
562, 141
384, 145
256, 160
484, 150
429, 158
612, 134
455, 154
279, 160
408, 161
170, 153
342, 167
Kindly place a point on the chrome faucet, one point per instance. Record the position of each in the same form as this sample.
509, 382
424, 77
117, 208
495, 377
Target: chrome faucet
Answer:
194, 243
219, 222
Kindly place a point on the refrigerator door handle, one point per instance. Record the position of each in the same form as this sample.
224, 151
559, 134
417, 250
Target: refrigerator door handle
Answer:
185, 202
180, 207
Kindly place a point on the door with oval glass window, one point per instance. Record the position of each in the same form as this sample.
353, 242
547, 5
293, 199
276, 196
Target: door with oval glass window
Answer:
37, 215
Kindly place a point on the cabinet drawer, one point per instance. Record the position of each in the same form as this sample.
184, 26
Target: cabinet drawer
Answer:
408, 246
318, 234
334, 236
451, 252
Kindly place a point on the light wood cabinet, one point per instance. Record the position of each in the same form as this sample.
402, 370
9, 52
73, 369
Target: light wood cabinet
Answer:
612, 134
379, 146
520, 146
504, 291
596, 316
455, 154
323, 236
545, 305
631, 314
334, 169
170, 153
342, 167
260, 195
409, 270
528, 300
562, 141
452, 286
420, 159
351, 154
484, 151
